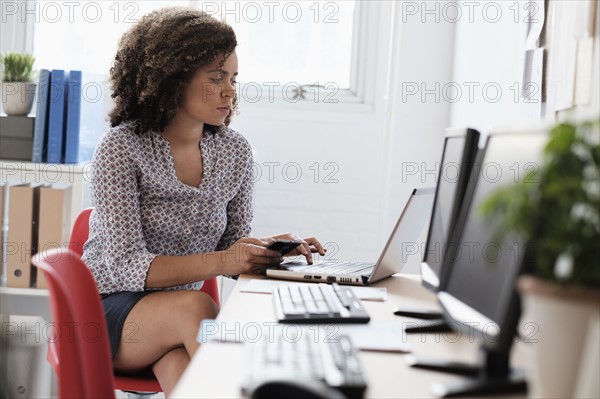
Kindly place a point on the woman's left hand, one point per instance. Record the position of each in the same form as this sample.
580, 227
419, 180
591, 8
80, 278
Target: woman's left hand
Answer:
307, 247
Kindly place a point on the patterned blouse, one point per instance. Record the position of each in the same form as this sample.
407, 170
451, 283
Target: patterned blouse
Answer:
142, 210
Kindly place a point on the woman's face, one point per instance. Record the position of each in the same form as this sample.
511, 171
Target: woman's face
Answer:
210, 93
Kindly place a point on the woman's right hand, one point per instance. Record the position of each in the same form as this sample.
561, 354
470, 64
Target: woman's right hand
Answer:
248, 255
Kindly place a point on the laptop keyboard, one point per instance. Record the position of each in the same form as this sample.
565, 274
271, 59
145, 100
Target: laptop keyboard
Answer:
305, 359
317, 303
336, 267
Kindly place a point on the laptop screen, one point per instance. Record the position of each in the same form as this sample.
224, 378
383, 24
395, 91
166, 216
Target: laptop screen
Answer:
404, 237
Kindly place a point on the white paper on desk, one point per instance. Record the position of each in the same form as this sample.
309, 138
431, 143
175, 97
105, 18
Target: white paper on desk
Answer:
382, 337
370, 293
267, 286
262, 286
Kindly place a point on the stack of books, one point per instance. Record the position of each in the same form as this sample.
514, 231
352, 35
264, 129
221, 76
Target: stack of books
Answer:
53, 135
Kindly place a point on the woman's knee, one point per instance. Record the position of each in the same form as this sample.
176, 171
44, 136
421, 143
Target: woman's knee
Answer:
200, 306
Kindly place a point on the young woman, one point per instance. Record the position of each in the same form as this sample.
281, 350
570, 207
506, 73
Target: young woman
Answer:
172, 191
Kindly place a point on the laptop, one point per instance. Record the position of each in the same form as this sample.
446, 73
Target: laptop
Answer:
409, 227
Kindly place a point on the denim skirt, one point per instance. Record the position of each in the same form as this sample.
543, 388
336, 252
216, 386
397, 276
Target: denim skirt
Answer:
116, 308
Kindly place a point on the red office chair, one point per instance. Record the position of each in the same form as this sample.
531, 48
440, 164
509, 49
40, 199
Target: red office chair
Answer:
135, 386
80, 333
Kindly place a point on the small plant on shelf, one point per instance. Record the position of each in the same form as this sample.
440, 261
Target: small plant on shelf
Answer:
17, 67
18, 89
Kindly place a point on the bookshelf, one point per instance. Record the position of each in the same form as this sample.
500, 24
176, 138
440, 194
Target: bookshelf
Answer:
19, 305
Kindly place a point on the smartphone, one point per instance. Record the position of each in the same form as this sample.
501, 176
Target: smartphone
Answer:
284, 246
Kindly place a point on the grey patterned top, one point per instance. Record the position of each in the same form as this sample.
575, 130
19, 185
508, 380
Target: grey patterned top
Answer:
142, 210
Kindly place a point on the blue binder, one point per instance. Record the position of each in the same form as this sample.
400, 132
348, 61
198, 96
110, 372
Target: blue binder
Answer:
41, 117
56, 116
73, 115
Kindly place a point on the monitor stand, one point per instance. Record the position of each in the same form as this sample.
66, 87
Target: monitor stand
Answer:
429, 326
492, 375
434, 324
416, 313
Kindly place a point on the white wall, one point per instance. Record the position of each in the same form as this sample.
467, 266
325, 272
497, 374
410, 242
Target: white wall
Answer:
417, 117
489, 52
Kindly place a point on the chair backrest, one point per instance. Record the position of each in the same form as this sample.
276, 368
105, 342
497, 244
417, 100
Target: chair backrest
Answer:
79, 327
81, 231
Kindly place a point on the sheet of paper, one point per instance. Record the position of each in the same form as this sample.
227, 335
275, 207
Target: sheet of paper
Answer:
531, 91
382, 337
267, 286
584, 26
370, 293
531, 25
536, 15
379, 337
584, 75
262, 286
562, 56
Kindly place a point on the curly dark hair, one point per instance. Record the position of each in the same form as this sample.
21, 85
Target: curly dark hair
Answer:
156, 60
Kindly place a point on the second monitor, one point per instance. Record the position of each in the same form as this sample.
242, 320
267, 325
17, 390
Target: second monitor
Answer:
479, 296
458, 156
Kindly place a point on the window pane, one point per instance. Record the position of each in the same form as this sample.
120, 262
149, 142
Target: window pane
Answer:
84, 35
283, 41
291, 41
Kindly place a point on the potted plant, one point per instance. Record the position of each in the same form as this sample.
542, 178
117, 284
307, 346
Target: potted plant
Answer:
557, 209
18, 89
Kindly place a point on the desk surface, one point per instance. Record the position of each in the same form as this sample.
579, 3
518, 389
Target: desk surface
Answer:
216, 369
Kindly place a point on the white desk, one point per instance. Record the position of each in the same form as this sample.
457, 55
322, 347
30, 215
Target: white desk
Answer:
216, 368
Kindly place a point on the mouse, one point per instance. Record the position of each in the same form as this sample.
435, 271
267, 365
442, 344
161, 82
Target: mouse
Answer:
289, 389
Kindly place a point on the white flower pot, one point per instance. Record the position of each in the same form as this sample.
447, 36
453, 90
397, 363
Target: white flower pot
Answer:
560, 318
17, 97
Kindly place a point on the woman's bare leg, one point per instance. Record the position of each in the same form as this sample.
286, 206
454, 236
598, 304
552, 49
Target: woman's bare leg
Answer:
170, 367
160, 329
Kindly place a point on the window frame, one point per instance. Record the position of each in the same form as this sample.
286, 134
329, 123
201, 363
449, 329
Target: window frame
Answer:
360, 94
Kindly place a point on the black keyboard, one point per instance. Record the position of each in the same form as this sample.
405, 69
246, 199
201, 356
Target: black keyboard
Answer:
317, 303
303, 358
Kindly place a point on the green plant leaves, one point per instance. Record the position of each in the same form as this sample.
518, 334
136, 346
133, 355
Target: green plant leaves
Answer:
560, 215
17, 67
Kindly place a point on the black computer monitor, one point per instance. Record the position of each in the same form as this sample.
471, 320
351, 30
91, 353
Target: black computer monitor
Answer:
479, 296
460, 149
458, 156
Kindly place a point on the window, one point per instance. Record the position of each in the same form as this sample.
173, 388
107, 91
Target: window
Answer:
308, 51
287, 49
307, 41
84, 35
